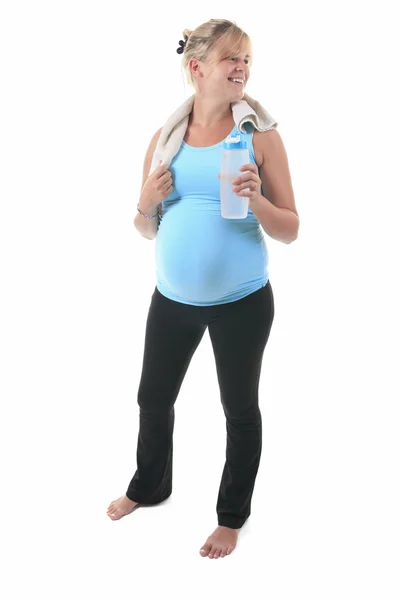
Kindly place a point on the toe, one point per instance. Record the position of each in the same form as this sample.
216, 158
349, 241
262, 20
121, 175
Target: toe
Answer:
205, 550
217, 553
212, 551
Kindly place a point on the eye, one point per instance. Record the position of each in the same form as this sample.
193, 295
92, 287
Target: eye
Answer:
234, 58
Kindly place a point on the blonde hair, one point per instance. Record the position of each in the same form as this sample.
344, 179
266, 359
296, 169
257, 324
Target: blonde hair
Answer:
224, 35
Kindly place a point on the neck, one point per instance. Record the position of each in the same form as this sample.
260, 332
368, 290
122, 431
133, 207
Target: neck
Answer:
209, 111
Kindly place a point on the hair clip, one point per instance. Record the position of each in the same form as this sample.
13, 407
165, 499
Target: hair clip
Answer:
182, 45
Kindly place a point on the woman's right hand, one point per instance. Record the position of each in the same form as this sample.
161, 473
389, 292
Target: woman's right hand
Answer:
157, 187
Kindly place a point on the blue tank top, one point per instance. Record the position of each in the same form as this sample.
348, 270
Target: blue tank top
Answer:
202, 258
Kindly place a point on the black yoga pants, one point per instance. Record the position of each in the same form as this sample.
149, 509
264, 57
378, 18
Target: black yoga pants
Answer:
239, 332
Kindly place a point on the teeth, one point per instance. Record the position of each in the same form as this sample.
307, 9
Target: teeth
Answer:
238, 80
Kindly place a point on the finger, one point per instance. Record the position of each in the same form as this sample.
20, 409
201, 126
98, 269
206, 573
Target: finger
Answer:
245, 193
250, 167
248, 190
245, 179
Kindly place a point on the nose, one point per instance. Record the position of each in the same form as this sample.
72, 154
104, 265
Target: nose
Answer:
244, 69
242, 72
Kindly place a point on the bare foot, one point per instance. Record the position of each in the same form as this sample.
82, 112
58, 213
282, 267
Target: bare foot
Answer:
121, 507
220, 543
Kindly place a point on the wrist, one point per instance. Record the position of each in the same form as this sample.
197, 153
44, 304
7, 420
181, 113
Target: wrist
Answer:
148, 208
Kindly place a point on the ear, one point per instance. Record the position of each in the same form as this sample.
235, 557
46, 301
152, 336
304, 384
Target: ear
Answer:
195, 67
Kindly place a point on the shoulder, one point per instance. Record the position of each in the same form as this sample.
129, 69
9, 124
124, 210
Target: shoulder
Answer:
265, 143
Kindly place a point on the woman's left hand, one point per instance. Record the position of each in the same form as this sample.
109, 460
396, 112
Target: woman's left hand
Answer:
249, 180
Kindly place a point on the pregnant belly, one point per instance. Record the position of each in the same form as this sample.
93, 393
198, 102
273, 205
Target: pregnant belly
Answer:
194, 265
203, 256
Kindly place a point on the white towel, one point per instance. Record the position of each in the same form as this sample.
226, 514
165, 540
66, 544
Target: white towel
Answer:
173, 132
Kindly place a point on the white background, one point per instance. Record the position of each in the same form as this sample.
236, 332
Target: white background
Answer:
84, 85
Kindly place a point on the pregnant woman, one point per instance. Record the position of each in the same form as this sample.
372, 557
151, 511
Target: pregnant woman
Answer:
212, 273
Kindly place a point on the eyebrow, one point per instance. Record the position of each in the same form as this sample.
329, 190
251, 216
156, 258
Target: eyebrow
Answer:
247, 55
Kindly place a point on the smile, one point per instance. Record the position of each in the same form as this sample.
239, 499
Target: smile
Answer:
236, 82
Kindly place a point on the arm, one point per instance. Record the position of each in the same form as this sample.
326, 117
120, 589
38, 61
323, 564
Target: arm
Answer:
276, 210
148, 227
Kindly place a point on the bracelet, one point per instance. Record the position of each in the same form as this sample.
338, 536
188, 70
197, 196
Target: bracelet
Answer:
146, 216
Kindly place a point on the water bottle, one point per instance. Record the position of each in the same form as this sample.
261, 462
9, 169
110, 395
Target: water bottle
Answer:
234, 154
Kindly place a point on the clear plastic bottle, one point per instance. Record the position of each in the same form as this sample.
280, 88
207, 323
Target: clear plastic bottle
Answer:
234, 155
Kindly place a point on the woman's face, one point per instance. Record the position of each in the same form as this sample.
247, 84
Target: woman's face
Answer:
234, 67
218, 79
